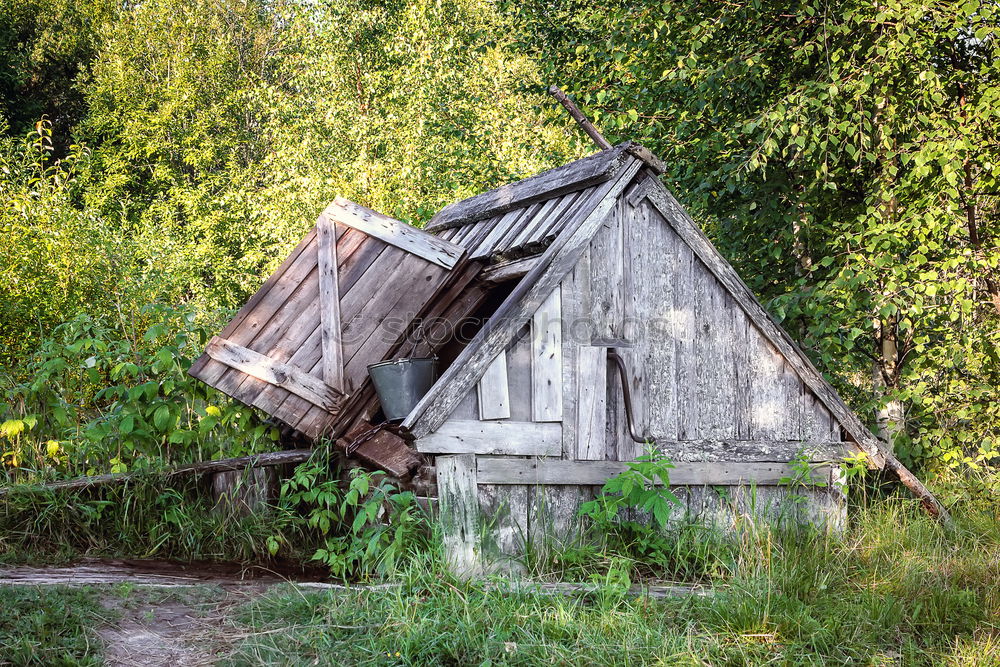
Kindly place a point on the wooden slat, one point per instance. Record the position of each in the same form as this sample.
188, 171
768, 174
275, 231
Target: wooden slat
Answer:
503, 437
504, 509
283, 375
546, 360
395, 232
591, 403
458, 499
485, 245
506, 242
693, 236
494, 397
554, 220
251, 304
329, 305
575, 304
510, 270
576, 175
551, 471
523, 301
541, 217
750, 451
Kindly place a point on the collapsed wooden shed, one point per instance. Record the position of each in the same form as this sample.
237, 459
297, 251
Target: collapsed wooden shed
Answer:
540, 297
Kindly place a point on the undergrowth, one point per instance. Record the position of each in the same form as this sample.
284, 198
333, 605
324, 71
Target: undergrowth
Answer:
896, 589
50, 626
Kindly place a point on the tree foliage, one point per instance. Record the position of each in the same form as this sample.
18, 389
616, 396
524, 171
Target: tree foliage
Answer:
845, 156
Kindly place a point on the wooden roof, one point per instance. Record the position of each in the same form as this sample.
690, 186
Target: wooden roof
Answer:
350, 293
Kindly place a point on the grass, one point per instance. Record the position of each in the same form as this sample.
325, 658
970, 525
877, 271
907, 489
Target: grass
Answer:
896, 590
50, 626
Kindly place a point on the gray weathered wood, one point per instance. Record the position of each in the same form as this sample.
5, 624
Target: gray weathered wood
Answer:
504, 512
329, 304
576, 331
576, 175
773, 451
546, 360
534, 471
742, 294
458, 499
510, 270
219, 465
500, 437
525, 299
554, 517
284, 375
591, 403
519, 376
395, 232
494, 397
578, 116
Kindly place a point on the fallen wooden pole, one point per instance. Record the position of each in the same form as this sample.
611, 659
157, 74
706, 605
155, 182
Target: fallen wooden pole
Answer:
221, 465
578, 116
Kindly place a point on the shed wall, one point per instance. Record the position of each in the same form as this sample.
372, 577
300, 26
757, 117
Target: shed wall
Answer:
717, 397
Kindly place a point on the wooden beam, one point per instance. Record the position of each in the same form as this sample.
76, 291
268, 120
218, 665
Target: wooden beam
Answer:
752, 451
395, 232
577, 175
516, 311
528, 471
591, 402
506, 437
329, 304
512, 270
580, 119
279, 374
458, 500
546, 360
220, 465
492, 391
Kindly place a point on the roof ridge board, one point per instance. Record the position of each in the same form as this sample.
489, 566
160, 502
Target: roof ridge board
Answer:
591, 170
516, 310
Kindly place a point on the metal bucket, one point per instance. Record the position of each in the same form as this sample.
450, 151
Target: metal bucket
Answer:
400, 384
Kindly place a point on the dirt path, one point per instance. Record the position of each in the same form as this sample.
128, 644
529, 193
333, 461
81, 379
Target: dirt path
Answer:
158, 614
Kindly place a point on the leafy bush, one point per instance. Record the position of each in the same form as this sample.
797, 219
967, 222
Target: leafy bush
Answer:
367, 526
100, 398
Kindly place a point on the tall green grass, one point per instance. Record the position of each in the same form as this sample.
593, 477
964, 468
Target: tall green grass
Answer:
896, 588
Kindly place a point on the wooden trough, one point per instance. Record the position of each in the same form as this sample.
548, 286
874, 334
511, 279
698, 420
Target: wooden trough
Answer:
528, 417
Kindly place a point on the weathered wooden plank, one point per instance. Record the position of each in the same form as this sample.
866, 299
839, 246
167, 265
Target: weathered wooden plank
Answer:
293, 336
715, 349
535, 471
494, 397
553, 515
504, 247
523, 301
277, 302
468, 409
283, 375
537, 238
458, 498
591, 403
509, 270
651, 246
329, 304
607, 277
484, 246
577, 175
384, 450
773, 451
252, 303
575, 305
504, 509
502, 437
301, 344
397, 233
546, 360
685, 357
519, 377
693, 236
539, 220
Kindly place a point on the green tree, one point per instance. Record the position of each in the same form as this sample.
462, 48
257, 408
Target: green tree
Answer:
844, 155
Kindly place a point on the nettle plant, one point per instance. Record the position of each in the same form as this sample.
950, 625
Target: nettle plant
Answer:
644, 485
367, 526
105, 399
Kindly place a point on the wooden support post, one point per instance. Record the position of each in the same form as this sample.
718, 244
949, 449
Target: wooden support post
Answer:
458, 499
